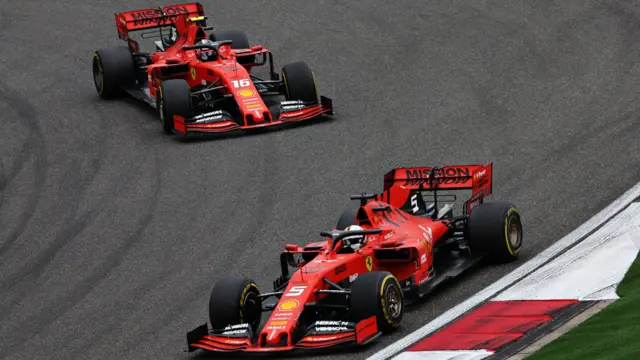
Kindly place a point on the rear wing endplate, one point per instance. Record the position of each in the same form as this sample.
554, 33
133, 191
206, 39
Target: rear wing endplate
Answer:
150, 18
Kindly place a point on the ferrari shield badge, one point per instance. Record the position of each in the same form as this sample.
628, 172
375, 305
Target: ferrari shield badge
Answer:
369, 262
193, 73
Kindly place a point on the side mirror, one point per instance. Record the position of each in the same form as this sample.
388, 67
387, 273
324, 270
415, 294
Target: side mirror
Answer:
292, 248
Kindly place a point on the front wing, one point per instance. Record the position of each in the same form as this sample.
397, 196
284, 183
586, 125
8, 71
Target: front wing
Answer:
220, 121
320, 336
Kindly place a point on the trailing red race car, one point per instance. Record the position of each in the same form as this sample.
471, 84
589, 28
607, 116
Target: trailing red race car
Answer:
200, 83
352, 287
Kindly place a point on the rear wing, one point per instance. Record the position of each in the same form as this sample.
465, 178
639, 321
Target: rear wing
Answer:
151, 18
455, 177
401, 184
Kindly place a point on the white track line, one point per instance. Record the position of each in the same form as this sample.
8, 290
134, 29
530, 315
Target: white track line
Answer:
511, 277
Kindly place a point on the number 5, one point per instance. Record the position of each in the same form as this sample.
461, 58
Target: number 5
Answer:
241, 83
296, 291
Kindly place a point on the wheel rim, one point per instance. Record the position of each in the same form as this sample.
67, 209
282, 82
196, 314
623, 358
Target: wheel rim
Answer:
251, 309
393, 301
514, 233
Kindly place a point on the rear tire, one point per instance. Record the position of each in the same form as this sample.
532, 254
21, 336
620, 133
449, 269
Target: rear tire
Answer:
173, 99
113, 68
235, 301
240, 41
377, 293
495, 229
347, 218
299, 81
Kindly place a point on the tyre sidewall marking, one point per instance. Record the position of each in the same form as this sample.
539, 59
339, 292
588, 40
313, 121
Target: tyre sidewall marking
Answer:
388, 318
511, 213
99, 62
242, 298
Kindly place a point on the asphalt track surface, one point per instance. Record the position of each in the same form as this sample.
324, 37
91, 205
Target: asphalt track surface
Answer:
112, 234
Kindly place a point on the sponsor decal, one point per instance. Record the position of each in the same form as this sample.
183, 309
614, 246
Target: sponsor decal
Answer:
423, 259
292, 107
340, 269
154, 17
452, 175
369, 263
275, 327
326, 338
331, 323
214, 115
246, 93
353, 277
278, 323
193, 73
390, 234
234, 332
254, 106
479, 174
288, 305
283, 314
428, 235
238, 326
291, 102
331, 328
235, 341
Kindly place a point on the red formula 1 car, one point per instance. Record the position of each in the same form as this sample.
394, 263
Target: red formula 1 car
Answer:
353, 286
200, 83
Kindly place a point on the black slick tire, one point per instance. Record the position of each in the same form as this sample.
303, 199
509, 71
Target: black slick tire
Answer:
299, 81
235, 301
495, 229
348, 217
240, 41
173, 99
113, 68
377, 293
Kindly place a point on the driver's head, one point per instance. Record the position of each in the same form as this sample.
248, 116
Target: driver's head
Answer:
354, 242
205, 54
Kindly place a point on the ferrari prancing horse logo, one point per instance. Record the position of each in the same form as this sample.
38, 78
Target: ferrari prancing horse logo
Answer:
369, 262
193, 73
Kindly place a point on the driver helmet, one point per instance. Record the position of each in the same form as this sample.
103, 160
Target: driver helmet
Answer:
354, 242
204, 54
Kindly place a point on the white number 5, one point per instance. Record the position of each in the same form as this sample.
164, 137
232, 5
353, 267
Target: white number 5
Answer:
296, 291
241, 83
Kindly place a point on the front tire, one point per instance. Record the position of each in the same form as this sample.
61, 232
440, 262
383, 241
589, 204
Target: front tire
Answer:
235, 301
495, 229
299, 81
113, 68
173, 99
378, 293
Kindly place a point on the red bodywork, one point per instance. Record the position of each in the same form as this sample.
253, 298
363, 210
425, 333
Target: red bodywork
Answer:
176, 63
401, 233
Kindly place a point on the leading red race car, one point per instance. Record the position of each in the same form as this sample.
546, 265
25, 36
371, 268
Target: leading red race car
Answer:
200, 83
352, 287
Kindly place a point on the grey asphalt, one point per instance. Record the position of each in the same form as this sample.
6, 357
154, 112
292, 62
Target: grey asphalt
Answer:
112, 234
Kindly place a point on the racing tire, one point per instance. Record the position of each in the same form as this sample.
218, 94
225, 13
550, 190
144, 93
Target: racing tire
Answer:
377, 293
173, 99
348, 217
235, 301
113, 68
299, 82
495, 229
240, 41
